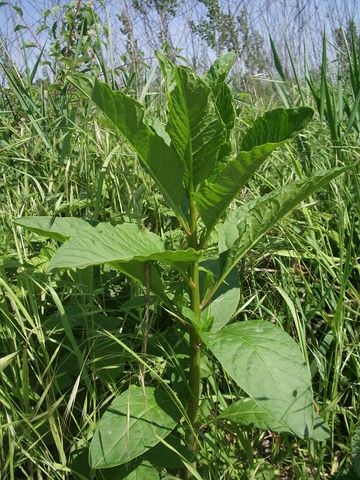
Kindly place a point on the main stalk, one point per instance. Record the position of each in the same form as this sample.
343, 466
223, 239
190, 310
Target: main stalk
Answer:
195, 351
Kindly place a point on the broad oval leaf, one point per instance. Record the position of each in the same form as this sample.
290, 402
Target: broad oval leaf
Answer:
133, 423
121, 243
57, 228
267, 133
248, 413
267, 364
160, 160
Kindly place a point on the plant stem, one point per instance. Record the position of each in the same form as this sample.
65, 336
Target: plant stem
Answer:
195, 352
194, 384
195, 358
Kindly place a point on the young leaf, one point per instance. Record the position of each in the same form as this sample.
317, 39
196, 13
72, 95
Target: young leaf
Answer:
247, 412
224, 100
160, 160
220, 69
226, 299
121, 243
134, 422
267, 364
267, 133
195, 126
58, 228
248, 223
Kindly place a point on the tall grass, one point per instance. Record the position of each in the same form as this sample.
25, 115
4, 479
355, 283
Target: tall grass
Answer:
69, 342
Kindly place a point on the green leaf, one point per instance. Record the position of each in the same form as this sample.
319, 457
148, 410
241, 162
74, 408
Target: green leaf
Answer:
126, 114
220, 69
134, 422
121, 243
248, 413
158, 457
321, 431
57, 228
148, 276
19, 27
62, 228
227, 297
276, 126
138, 469
83, 83
162, 456
225, 104
108, 358
248, 223
18, 10
277, 60
5, 361
267, 364
224, 100
267, 133
158, 127
195, 126
160, 160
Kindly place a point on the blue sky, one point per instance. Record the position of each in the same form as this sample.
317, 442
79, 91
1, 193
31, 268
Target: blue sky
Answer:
281, 17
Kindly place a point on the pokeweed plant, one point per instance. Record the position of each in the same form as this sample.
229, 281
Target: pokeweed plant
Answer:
193, 163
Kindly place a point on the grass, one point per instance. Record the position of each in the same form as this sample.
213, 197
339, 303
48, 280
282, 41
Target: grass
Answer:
68, 331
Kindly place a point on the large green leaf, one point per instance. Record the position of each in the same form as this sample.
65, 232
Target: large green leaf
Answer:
120, 244
62, 228
276, 126
195, 126
248, 413
225, 301
267, 133
224, 99
248, 223
57, 228
147, 466
160, 160
267, 364
134, 422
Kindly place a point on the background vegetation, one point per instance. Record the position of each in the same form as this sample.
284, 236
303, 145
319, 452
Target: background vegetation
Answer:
59, 363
